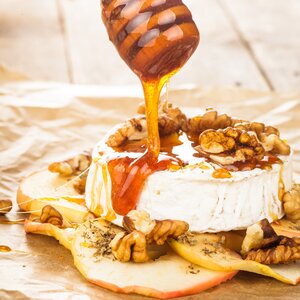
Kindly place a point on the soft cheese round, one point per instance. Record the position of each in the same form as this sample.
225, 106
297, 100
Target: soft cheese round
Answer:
193, 195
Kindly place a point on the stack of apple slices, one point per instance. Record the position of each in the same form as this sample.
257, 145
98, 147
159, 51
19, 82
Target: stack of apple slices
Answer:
168, 276
178, 269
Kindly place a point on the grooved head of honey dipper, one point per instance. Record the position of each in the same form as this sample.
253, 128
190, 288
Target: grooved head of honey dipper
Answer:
155, 38
165, 57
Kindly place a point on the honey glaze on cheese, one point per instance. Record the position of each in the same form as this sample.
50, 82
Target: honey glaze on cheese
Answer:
129, 167
155, 38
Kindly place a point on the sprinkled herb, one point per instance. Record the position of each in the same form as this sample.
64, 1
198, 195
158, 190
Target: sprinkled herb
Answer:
192, 269
99, 239
187, 239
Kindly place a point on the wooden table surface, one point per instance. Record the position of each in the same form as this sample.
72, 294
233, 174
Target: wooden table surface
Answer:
254, 44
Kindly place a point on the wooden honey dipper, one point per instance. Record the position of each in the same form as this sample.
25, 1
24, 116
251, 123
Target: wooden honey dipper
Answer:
154, 37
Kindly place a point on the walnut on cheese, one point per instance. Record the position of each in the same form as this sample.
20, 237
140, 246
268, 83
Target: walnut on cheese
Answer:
209, 120
267, 136
134, 129
170, 120
230, 145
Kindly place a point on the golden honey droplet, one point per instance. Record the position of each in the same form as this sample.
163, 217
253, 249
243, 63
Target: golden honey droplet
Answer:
4, 248
221, 174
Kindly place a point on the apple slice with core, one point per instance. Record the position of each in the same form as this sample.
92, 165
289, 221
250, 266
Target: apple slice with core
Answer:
205, 251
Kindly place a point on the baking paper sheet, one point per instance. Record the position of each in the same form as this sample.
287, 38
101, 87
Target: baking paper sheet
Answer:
41, 122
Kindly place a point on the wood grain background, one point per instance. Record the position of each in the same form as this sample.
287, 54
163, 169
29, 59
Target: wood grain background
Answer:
254, 44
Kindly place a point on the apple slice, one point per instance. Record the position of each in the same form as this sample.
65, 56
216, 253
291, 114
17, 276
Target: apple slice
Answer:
46, 188
44, 184
167, 277
205, 251
287, 228
73, 212
64, 236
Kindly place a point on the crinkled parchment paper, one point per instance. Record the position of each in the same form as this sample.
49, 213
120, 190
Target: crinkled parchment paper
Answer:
42, 122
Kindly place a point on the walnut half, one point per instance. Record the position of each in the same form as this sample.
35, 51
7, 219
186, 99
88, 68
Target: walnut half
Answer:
73, 166
291, 203
154, 230
209, 120
141, 232
52, 216
229, 145
130, 247
288, 250
170, 120
268, 136
259, 235
263, 245
166, 229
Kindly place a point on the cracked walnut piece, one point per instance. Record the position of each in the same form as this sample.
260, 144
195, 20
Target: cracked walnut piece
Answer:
268, 136
259, 235
209, 120
134, 129
132, 246
288, 250
166, 229
291, 203
154, 231
170, 120
52, 216
80, 183
167, 114
263, 245
230, 145
73, 166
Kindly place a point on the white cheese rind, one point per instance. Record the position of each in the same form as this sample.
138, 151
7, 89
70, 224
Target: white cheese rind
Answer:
194, 196
212, 205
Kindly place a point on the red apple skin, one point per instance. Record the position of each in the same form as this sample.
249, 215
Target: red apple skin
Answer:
50, 230
165, 295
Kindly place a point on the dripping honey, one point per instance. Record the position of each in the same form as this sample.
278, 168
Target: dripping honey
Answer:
155, 39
